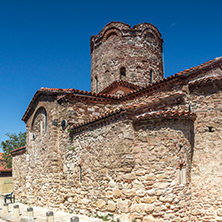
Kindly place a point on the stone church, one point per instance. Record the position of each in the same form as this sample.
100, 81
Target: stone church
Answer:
138, 146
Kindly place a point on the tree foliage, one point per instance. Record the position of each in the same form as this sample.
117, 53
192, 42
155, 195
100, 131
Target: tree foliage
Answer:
14, 141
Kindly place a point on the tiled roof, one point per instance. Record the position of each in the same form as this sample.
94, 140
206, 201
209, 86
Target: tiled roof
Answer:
180, 75
206, 80
2, 167
77, 91
130, 112
62, 92
151, 88
18, 151
167, 114
119, 83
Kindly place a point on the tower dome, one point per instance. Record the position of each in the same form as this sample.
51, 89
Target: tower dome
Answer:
120, 52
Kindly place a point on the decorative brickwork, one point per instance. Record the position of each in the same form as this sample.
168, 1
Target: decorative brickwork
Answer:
120, 52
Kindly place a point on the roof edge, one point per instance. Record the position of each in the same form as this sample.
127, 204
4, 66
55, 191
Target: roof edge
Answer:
18, 151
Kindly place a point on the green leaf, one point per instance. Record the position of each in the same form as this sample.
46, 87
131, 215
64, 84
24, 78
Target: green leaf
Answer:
14, 141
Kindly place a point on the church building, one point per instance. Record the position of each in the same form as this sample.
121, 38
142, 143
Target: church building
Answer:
138, 146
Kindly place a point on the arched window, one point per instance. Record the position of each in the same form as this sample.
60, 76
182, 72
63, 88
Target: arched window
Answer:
111, 35
122, 72
39, 124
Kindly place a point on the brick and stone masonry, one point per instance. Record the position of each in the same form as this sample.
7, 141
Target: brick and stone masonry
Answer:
135, 148
131, 54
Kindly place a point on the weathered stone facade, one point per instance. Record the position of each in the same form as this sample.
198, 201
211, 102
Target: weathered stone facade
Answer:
149, 153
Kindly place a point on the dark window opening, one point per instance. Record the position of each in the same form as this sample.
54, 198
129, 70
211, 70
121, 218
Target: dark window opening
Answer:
122, 72
45, 121
151, 76
210, 129
189, 108
96, 85
80, 174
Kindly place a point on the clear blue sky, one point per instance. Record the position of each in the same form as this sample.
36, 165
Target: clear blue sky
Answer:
45, 43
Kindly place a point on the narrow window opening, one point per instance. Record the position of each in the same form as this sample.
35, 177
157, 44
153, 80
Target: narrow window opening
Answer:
151, 76
122, 72
96, 84
181, 174
189, 108
80, 174
45, 121
41, 128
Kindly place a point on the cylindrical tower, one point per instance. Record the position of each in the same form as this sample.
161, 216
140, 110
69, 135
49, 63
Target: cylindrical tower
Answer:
130, 54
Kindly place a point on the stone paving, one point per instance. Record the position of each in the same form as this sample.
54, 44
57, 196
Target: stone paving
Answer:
39, 214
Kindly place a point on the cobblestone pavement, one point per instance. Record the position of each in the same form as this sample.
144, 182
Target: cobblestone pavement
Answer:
39, 214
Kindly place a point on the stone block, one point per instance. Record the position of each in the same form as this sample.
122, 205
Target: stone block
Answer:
149, 208
128, 193
111, 206
123, 206
116, 193
161, 185
100, 204
140, 193
167, 198
219, 212
139, 208
129, 134
148, 200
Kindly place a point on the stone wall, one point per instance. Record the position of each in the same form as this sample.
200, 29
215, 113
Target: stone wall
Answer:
37, 173
119, 168
19, 175
134, 168
205, 101
123, 169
